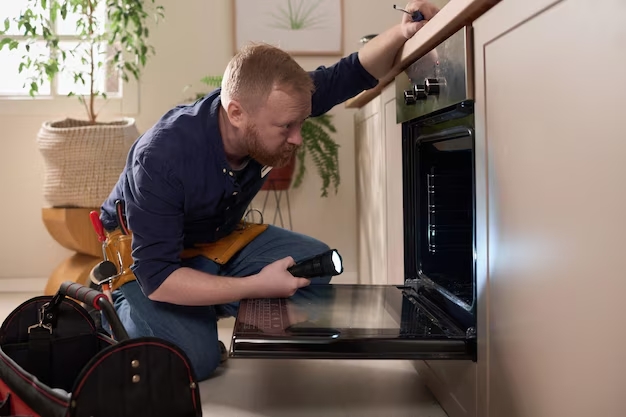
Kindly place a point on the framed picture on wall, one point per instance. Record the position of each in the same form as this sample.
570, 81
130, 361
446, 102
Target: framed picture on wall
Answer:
299, 27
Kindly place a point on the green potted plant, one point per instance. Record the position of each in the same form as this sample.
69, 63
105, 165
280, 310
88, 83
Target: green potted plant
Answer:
317, 143
83, 157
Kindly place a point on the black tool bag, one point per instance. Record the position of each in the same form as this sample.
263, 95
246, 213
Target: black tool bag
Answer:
55, 362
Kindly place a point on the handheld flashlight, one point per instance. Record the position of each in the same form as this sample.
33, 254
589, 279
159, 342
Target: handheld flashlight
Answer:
328, 263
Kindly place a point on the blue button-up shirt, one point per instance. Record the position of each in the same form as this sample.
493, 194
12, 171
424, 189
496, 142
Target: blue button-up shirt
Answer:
178, 187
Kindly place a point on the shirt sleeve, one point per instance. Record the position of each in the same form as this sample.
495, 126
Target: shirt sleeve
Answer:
155, 211
339, 82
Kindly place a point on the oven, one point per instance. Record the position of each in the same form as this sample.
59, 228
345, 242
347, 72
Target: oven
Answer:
432, 315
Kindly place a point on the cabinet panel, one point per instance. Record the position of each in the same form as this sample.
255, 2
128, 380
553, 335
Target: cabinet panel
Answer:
370, 180
393, 186
453, 383
550, 94
379, 191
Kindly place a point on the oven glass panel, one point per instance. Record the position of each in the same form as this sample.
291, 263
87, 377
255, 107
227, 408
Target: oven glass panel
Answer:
341, 310
446, 249
439, 205
347, 321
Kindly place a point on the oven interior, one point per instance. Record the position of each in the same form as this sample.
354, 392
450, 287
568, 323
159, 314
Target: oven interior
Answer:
438, 167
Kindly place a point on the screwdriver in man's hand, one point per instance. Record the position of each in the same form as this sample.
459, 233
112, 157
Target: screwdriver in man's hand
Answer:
417, 16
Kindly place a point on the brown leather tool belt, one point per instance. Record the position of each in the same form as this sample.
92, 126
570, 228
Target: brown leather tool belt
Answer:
118, 247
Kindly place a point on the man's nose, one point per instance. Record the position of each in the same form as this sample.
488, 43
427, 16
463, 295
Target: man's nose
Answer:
295, 138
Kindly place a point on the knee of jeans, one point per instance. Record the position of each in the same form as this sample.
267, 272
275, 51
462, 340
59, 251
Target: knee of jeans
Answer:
321, 280
322, 247
204, 361
313, 248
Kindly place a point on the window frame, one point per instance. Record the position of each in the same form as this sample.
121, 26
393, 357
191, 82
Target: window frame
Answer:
50, 105
126, 101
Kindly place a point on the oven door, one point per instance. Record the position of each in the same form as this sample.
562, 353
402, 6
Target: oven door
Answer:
338, 321
433, 315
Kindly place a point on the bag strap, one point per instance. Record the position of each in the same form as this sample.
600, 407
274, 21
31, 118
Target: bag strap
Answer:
39, 357
40, 340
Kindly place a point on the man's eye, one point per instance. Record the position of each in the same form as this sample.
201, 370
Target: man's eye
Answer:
287, 126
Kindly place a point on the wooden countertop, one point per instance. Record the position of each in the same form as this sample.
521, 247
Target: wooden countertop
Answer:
451, 18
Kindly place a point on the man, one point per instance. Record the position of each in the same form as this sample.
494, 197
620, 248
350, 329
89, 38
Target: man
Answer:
189, 179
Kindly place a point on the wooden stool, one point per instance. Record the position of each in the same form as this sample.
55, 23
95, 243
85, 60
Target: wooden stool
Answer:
72, 229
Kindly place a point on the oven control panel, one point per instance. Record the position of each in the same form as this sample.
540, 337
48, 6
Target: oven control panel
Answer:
430, 87
439, 79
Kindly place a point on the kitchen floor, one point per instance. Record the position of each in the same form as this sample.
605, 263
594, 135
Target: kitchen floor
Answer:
260, 388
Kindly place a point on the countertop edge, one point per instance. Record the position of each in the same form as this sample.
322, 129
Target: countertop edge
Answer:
453, 16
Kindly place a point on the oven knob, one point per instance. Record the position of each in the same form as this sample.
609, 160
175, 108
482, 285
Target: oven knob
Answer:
420, 92
432, 86
409, 97
417, 93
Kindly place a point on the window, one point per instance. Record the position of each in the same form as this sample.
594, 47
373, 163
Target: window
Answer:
15, 86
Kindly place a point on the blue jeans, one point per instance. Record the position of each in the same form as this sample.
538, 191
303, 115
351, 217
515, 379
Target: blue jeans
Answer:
194, 328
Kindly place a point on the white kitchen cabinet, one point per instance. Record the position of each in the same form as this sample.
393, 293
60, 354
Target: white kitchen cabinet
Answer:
379, 191
551, 204
453, 383
369, 192
392, 144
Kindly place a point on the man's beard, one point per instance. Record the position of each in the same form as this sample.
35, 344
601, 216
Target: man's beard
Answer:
259, 152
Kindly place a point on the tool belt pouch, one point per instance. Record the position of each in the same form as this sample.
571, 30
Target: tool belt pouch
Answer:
225, 248
119, 247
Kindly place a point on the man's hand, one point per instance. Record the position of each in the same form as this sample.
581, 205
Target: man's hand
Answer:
187, 286
408, 26
275, 281
378, 55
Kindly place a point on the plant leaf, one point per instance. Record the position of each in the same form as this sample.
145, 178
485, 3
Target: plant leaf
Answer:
301, 155
4, 41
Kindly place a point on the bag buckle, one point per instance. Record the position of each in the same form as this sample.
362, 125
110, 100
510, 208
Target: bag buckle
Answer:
41, 324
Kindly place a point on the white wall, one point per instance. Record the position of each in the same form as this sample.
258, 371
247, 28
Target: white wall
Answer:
193, 41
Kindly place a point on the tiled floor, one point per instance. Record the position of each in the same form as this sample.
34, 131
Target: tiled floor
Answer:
260, 388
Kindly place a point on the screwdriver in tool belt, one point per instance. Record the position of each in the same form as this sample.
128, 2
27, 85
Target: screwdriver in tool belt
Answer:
119, 211
97, 226
106, 264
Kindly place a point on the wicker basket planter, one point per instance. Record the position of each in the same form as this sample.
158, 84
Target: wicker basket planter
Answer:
83, 161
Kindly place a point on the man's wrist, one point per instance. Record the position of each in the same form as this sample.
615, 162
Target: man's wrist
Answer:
398, 31
402, 33
249, 286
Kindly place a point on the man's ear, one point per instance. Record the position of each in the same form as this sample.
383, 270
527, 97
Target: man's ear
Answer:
236, 114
